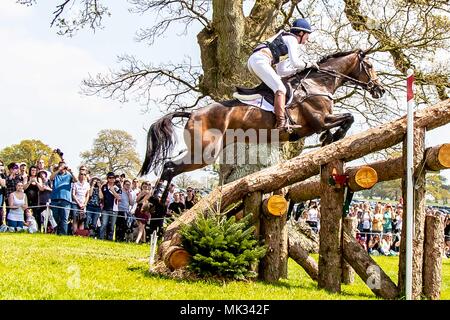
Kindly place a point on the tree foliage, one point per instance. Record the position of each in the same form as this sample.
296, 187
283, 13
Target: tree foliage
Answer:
29, 151
112, 150
438, 187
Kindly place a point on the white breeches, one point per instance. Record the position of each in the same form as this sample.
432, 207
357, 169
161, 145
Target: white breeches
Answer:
260, 65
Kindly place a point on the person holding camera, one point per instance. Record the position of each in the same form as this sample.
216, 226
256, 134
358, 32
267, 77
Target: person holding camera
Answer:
111, 194
93, 207
61, 197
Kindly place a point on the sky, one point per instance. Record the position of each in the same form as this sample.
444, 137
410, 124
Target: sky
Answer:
41, 73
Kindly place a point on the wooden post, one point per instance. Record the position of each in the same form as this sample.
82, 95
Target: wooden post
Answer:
252, 204
272, 228
419, 217
348, 274
432, 257
331, 206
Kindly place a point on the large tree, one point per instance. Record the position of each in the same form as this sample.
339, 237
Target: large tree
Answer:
113, 150
28, 151
404, 34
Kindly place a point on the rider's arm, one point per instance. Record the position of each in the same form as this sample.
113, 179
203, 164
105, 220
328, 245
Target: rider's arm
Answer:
295, 53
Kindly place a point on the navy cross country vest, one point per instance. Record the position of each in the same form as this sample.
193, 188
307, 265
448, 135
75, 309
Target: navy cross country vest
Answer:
277, 46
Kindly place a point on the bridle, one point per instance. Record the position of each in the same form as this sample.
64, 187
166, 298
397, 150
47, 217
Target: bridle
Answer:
369, 85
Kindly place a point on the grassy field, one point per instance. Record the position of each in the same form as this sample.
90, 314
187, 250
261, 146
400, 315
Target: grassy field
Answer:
50, 267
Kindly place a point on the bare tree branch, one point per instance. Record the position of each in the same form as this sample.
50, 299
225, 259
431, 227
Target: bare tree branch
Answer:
177, 83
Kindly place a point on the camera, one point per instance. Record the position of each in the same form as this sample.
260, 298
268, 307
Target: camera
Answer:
59, 152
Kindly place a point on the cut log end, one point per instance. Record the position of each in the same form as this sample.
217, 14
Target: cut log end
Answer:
177, 258
277, 205
444, 155
366, 177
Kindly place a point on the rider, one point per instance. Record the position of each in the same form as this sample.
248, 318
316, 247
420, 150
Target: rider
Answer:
267, 54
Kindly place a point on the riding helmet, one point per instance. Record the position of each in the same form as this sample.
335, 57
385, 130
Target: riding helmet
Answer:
301, 25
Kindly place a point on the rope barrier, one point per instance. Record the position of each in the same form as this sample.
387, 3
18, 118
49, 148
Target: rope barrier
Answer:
102, 212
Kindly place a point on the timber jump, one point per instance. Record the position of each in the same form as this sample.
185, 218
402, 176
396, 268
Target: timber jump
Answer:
339, 252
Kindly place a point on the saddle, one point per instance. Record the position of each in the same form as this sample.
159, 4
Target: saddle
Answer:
261, 91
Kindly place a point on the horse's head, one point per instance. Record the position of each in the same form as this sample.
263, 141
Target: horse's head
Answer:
365, 73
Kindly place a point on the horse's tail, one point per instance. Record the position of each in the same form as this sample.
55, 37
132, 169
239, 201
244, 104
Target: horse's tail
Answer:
160, 142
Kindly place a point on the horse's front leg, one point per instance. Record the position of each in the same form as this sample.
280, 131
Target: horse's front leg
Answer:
343, 121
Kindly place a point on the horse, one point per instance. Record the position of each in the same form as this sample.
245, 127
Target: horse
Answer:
310, 110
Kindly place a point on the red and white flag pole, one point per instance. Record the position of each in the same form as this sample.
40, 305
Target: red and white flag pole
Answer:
409, 182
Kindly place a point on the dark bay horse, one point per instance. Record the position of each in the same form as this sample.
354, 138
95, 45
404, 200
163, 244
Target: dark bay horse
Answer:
310, 107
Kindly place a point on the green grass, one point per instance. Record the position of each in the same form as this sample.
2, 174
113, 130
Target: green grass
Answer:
50, 267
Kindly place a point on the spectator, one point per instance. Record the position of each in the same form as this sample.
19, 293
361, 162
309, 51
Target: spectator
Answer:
398, 221
312, 216
45, 191
362, 241
176, 207
110, 194
83, 169
387, 219
170, 194
93, 206
40, 164
386, 244
30, 222
23, 171
190, 198
17, 205
11, 181
122, 178
377, 221
32, 191
2, 190
142, 214
61, 196
125, 204
80, 192
374, 245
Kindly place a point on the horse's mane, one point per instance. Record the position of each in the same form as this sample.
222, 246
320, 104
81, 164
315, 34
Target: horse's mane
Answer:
337, 55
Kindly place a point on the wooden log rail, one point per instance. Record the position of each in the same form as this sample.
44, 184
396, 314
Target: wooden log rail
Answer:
307, 165
436, 158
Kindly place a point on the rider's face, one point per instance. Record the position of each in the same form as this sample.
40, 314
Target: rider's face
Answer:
303, 38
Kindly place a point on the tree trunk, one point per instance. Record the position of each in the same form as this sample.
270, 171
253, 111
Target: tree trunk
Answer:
225, 47
348, 274
331, 205
305, 165
391, 169
272, 228
367, 269
419, 217
252, 205
432, 258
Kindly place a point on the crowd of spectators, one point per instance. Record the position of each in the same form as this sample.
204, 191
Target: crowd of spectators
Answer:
66, 202
378, 225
